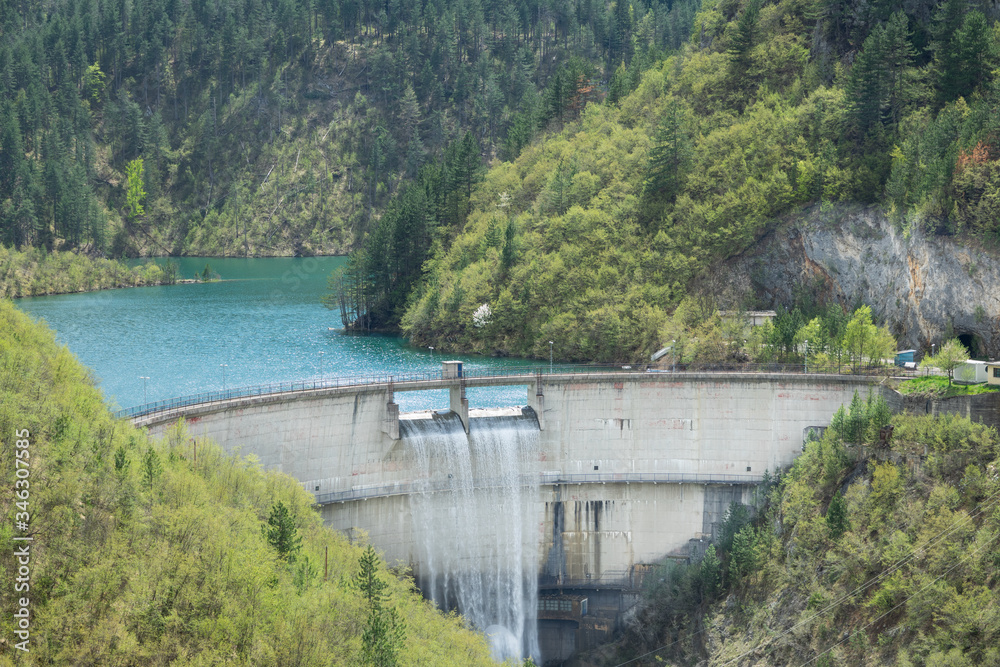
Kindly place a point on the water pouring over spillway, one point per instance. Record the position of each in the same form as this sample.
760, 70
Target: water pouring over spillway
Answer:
476, 515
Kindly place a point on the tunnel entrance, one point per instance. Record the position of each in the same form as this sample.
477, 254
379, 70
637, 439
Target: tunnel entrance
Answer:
974, 344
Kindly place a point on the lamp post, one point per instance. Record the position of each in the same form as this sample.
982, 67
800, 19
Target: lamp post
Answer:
550, 356
224, 367
431, 348
321, 366
806, 360
673, 356
144, 378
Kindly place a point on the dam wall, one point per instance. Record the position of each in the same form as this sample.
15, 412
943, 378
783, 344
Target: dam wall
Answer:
629, 467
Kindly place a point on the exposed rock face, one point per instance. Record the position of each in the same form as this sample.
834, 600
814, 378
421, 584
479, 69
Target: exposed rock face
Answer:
918, 285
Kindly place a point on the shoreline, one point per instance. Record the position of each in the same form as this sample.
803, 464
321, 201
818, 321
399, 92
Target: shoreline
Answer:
184, 281
35, 272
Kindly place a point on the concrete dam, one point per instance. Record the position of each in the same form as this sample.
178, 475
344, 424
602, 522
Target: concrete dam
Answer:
531, 520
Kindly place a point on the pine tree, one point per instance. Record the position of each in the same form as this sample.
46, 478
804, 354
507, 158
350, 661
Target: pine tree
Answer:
867, 84
385, 631
947, 54
854, 427
743, 40
281, 532
977, 53
743, 554
509, 253
619, 86
670, 157
151, 467
898, 58
623, 31
836, 517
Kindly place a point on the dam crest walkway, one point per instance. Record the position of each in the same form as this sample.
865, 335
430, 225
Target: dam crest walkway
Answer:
172, 408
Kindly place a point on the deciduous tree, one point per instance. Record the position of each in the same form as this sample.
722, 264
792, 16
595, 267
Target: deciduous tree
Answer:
951, 355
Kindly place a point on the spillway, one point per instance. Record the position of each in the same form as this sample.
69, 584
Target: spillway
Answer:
476, 519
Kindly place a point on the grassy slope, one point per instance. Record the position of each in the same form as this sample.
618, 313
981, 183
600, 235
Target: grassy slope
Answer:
936, 386
176, 570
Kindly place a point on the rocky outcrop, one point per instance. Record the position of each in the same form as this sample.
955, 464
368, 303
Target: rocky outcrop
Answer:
924, 287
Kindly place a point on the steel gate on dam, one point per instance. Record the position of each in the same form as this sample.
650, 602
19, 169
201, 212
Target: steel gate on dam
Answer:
629, 466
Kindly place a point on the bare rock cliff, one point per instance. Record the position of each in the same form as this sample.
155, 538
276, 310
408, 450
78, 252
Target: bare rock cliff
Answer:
923, 286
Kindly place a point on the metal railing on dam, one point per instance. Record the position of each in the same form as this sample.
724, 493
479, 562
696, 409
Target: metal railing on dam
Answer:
528, 373
542, 479
511, 375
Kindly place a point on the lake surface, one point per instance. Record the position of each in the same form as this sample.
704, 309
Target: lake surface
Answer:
261, 323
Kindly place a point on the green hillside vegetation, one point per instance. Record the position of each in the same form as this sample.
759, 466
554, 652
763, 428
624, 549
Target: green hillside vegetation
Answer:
36, 272
145, 554
595, 236
267, 127
855, 556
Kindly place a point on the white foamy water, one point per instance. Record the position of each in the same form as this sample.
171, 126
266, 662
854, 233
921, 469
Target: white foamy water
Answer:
476, 523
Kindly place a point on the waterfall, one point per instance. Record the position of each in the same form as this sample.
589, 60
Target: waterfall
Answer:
476, 523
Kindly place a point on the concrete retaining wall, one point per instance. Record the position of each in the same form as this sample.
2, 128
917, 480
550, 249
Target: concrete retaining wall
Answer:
982, 408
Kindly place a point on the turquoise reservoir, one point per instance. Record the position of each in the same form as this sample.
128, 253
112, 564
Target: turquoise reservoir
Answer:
261, 323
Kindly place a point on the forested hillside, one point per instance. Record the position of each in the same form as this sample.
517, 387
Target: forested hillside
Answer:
864, 553
602, 237
278, 126
171, 552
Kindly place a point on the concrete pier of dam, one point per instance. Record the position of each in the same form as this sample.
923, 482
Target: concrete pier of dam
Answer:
631, 466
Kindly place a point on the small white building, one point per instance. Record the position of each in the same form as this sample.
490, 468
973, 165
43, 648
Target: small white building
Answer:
993, 372
972, 372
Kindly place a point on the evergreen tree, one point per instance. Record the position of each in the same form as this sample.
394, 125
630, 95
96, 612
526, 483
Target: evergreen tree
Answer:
151, 467
282, 533
976, 47
856, 423
619, 86
744, 38
898, 58
947, 51
710, 573
509, 253
385, 631
621, 46
836, 517
670, 156
867, 84
743, 554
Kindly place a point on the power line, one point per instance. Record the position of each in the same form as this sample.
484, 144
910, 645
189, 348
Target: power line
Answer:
905, 600
977, 511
